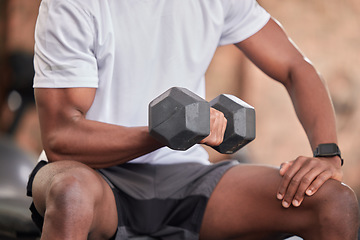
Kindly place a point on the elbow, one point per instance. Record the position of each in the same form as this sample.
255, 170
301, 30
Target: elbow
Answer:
300, 73
53, 156
54, 148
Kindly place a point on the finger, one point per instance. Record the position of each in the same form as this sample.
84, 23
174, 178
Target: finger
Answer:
284, 167
288, 174
218, 124
301, 182
216, 127
292, 180
318, 182
306, 181
292, 188
221, 129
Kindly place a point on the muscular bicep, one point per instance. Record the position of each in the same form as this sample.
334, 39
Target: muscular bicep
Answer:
273, 52
60, 109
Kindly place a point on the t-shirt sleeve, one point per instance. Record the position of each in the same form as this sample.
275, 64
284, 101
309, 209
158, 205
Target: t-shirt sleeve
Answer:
64, 47
243, 18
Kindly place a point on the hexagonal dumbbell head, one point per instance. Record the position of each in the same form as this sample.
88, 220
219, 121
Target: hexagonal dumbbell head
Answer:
179, 118
240, 129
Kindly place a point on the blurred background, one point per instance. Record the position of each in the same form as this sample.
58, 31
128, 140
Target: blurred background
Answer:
326, 31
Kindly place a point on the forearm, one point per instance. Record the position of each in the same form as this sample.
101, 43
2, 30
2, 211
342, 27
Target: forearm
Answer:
312, 104
98, 144
68, 135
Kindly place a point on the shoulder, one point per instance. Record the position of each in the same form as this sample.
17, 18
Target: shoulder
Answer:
70, 13
86, 6
236, 7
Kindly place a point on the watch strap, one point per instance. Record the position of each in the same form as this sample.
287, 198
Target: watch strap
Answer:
328, 150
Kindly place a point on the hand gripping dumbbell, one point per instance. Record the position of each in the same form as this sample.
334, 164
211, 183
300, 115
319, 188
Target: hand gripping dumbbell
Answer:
179, 118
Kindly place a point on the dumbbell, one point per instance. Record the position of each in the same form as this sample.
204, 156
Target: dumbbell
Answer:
180, 119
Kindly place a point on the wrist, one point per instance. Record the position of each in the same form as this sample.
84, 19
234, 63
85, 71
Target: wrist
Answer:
329, 150
336, 160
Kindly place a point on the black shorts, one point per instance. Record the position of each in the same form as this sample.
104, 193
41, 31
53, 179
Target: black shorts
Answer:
161, 201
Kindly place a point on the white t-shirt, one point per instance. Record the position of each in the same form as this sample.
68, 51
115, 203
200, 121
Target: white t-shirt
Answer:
133, 50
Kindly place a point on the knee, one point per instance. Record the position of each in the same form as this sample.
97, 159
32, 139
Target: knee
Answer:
338, 206
72, 191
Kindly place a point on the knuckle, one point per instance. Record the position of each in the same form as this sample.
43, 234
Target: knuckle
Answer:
322, 178
295, 182
306, 160
217, 113
306, 180
287, 177
301, 158
314, 161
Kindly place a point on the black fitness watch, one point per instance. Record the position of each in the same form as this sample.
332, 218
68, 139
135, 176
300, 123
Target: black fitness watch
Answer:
328, 150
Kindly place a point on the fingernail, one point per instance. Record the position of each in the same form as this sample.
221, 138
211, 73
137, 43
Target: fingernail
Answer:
309, 192
279, 196
296, 203
285, 204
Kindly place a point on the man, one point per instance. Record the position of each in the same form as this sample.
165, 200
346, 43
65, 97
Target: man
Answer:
98, 65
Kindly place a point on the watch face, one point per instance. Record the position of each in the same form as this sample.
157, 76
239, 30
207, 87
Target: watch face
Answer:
328, 149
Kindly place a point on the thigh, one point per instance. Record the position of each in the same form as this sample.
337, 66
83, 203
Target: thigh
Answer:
89, 187
244, 204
